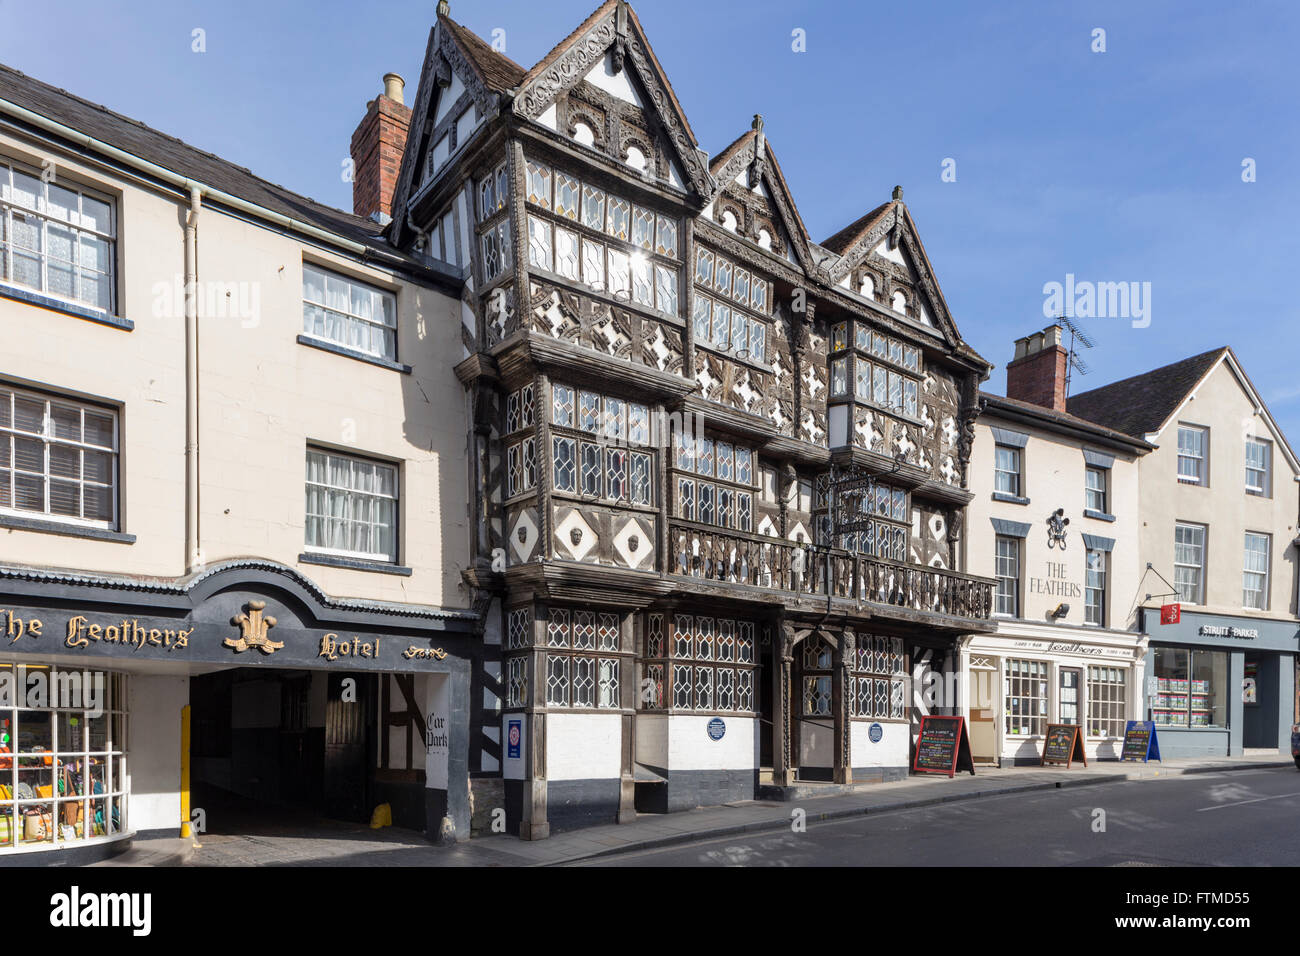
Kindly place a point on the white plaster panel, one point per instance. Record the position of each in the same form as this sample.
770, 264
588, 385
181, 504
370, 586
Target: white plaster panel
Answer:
652, 739
154, 750
892, 751
691, 748
583, 746
603, 77
447, 98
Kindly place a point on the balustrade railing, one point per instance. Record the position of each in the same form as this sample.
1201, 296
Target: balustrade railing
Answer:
711, 554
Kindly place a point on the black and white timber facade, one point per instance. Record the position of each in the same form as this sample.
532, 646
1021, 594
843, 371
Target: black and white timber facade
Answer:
720, 469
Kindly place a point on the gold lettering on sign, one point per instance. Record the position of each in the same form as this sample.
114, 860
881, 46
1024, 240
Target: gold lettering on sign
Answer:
331, 648
434, 653
81, 632
253, 629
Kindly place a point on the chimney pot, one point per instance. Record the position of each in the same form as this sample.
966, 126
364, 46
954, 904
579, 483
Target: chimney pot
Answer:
393, 87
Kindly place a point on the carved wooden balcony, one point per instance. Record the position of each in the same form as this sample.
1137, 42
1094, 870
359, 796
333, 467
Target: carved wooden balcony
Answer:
732, 557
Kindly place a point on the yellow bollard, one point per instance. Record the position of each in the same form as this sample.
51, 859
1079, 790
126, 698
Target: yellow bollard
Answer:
185, 771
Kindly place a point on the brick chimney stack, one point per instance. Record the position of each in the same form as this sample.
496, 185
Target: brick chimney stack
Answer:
1037, 373
377, 147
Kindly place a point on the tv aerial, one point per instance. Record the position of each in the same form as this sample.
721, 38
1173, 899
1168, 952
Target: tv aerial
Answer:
1078, 337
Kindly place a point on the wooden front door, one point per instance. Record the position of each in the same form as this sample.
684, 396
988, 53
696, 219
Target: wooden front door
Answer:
348, 746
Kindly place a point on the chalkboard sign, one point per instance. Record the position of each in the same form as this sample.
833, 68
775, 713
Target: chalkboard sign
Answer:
943, 747
1064, 744
1140, 742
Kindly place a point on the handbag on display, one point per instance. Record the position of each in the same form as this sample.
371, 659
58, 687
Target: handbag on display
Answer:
37, 825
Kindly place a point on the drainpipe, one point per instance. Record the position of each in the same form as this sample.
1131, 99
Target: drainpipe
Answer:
193, 554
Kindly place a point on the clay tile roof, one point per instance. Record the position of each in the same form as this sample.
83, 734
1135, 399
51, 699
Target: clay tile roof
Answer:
179, 157
731, 149
740, 143
560, 47
586, 25
1141, 404
499, 72
850, 233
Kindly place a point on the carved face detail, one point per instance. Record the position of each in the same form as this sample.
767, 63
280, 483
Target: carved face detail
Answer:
633, 543
522, 534
575, 535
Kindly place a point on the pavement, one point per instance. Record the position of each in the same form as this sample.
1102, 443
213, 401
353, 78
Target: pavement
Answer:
327, 843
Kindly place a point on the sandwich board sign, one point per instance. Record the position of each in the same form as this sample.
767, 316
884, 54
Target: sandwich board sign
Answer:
1063, 745
943, 747
1140, 741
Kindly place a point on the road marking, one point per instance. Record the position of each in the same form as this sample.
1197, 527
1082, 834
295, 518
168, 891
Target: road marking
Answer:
1280, 796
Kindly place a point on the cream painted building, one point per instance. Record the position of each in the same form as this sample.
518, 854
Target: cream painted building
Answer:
228, 502
1054, 520
1218, 506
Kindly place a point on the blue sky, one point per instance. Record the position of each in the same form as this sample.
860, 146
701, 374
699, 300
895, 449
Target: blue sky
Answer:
1122, 166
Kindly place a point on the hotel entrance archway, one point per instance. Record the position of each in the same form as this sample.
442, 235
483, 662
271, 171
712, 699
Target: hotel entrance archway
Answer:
282, 742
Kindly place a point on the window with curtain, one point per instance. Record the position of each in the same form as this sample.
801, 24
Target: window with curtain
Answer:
351, 506
1006, 600
1254, 578
1094, 591
1258, 458
56, 238
1006, 470
1191, 454
1189, 562
349, 313
1095, 481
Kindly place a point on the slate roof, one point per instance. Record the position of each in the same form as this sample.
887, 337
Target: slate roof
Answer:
1064, 420
179, 157
1141, 404
498, 71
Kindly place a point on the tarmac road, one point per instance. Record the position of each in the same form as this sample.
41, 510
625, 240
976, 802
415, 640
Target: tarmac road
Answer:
1242, 818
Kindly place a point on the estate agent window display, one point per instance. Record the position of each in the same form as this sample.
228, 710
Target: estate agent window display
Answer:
1191, 688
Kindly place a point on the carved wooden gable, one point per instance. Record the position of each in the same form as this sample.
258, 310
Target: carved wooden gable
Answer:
886, 262
753, 200
604, 89
454, 96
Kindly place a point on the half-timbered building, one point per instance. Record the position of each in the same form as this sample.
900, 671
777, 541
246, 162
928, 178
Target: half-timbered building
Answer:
720, 468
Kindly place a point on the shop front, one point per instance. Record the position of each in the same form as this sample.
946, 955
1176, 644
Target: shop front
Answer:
1220, 685
1028, 676
122, 698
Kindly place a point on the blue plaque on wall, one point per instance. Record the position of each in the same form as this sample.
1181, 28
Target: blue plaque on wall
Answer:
717, 727
875, 733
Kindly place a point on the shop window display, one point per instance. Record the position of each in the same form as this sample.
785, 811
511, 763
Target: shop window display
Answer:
62, 756
1190, 688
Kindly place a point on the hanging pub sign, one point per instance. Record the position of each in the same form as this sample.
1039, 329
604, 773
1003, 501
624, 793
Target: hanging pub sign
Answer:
1171, 613
1063, 745
943, 747
1140, 741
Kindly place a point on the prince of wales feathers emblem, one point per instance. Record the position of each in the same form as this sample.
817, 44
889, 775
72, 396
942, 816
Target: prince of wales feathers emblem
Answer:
253, 629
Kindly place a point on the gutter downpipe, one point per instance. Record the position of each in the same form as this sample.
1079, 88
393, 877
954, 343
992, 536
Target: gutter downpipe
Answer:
193, 553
